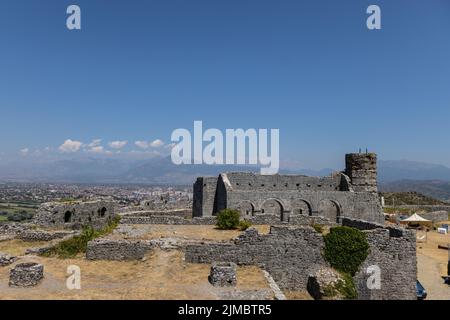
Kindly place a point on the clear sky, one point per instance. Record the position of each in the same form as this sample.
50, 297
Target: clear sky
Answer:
140, 69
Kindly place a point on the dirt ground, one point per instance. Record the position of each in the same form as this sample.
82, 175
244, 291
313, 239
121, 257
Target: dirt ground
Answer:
163, 275
432, 264
193, 232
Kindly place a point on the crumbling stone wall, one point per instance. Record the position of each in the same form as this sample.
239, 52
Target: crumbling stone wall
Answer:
109, 249
290, 254
75, 215
40, 235
393, 251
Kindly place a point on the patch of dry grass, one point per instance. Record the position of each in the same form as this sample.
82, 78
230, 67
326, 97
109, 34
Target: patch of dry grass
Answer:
17, 247
163, 275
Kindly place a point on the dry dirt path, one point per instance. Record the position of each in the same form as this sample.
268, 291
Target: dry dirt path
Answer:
429, 274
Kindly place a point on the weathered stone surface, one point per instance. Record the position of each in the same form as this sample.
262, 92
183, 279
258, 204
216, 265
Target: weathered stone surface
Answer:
26, 274
223, 274
323, 284
75, 215
108, 249
6, 259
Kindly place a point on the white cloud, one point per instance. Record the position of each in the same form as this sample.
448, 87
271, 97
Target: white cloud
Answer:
117, 144
70, 146
95, 143
157, 143
142, 144
24, 151
99, 150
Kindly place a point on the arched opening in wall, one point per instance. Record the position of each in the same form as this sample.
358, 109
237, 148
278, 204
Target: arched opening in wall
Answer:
272, 206
300, 206
329, 209
67, 217
246, 209
102, 212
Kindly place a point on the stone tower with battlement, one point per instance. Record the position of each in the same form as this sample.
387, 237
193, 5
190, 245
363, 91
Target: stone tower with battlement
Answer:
361, 168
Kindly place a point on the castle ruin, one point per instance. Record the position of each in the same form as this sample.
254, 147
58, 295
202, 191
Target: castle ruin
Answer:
288, 198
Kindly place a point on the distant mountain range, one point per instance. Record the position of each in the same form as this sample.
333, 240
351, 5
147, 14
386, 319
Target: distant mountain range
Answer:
400, 175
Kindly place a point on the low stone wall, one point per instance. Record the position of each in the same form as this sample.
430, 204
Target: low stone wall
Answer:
259, 219
182, 213
50, 245
171, 220
13, 227
360, 224
40, 235
107, 249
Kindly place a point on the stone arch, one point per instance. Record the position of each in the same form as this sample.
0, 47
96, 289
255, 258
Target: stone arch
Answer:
102, 212
301, 206
329, 209
272, 206
246, 208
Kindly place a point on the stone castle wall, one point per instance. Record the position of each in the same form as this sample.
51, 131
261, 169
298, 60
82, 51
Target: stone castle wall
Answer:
350, 194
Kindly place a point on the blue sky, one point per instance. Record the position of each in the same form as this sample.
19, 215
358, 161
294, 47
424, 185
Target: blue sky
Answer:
140, 69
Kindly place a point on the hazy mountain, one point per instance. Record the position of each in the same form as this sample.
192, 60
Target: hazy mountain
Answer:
389, 171
393, 175
437, 189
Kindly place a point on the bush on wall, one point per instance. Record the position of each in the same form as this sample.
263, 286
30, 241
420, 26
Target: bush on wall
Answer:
346, 249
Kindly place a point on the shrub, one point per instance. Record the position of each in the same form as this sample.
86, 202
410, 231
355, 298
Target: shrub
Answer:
244, 225
347, 287
318, 227
71, 247
228, 219
346, 249
20, 216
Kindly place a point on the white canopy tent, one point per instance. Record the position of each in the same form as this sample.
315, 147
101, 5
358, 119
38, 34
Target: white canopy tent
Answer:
416, 219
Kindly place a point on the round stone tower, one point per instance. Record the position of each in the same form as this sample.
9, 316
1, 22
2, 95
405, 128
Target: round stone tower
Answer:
362, 171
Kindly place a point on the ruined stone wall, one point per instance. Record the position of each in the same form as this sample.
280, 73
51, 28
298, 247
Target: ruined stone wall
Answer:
171, 220
40, 235
74, 215
107, 249
394, 253
290, 254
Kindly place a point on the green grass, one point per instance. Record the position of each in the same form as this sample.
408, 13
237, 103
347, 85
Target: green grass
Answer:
78, 244
3, 218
